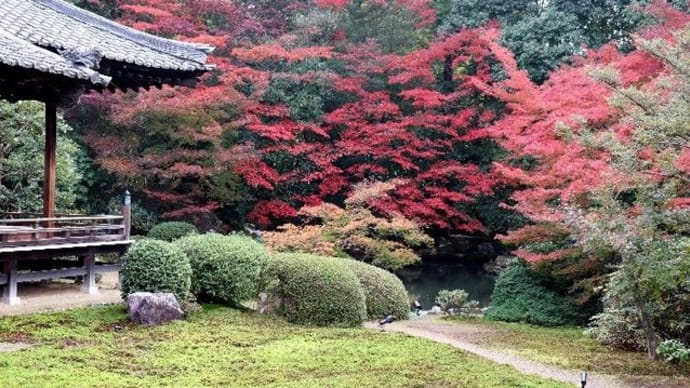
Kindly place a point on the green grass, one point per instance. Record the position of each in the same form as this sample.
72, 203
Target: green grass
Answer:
225, 347
570, 348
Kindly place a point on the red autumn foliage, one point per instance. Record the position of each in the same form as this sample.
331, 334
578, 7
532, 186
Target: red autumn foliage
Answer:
406, 127
539, 123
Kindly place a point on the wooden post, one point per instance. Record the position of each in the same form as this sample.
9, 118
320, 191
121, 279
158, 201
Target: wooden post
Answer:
127, 215
89, 286
9, 294
49, 160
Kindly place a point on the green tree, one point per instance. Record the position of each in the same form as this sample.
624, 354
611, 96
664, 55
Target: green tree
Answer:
22, 142
394, 27
544, 34
642, 213
544, 41
457, 14
603, 21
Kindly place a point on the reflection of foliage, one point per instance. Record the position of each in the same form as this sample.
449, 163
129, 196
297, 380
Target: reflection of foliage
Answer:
21, 160
353, 231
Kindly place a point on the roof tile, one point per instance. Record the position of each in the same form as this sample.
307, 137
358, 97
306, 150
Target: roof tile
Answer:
37, 29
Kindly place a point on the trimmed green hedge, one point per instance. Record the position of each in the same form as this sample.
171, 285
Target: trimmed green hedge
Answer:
155, 266
383, 291
225, 269
171, 231
316, 290
519, 297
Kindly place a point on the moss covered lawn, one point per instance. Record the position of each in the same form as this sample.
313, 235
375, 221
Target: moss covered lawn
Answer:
225, 347
570, 348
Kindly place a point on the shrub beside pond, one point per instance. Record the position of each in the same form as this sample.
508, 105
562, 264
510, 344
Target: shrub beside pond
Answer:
155, 266
383, 291
171, 231
316, 290
518, 297
456, 302
226, 269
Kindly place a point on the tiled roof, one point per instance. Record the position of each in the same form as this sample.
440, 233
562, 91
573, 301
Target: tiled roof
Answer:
37, 31
18, 52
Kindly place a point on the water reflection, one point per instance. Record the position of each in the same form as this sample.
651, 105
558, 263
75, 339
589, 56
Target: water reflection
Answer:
426, 280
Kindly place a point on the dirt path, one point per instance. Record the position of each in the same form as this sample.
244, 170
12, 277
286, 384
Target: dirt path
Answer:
459, 335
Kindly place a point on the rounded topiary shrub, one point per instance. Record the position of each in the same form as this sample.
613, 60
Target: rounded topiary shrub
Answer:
383, 291
316, 290
518, 297
155, 266
225, 269
171, 231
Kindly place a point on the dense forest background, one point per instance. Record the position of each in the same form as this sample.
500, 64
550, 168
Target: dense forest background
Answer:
310, 99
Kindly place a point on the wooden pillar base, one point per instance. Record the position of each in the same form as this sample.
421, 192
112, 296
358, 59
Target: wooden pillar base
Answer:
9, 291
89, 285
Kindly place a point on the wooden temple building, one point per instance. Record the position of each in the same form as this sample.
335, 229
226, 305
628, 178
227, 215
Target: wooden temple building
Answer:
52, 51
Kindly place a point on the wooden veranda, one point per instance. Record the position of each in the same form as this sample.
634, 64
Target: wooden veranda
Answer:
30, 238
52, 51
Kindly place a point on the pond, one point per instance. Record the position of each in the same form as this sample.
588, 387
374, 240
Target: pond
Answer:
426, 280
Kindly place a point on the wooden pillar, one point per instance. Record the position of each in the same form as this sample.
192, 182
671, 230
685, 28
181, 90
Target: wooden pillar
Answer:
9, 292
49, 160
89, 286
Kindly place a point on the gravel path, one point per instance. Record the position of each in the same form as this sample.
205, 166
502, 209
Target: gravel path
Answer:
458, 335
6, 347
51, 296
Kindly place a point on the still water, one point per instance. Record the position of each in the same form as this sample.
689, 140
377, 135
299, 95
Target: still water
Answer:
426, 280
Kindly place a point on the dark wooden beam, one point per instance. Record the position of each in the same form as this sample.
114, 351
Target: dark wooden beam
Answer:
49, 160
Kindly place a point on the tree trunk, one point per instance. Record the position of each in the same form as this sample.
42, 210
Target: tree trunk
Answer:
648, 326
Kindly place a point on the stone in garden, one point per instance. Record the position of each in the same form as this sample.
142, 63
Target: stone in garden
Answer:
436, 310
268, 303
153, 309
498, 265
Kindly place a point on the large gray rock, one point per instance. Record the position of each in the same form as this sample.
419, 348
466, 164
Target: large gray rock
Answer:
498, 265
153, 309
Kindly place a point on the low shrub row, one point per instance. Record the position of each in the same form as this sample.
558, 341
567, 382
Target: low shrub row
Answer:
211, 267
329, 291
225, 269
314, 290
